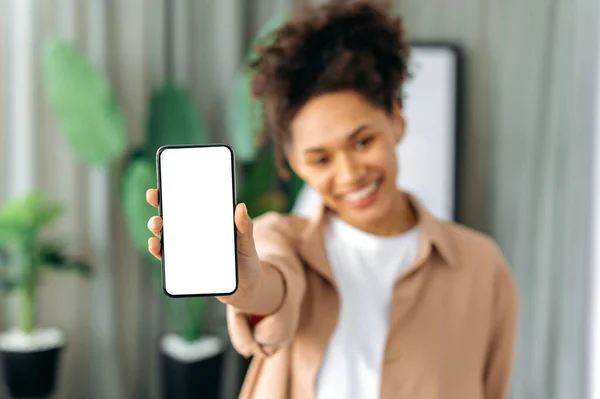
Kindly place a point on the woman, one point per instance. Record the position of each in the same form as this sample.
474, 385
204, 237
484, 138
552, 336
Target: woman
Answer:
372, 297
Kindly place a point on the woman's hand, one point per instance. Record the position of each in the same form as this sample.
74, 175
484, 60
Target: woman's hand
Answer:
251, 276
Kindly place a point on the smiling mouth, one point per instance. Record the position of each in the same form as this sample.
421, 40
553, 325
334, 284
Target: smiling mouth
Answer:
364, 194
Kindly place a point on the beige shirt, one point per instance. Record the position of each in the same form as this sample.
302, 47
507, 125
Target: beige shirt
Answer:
452, 320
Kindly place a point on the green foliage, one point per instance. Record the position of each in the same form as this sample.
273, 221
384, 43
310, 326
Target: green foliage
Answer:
257, 188
266, 33
173, 119
53, 256
187, 315
261, 189
95, 128
245, 113
244, 119
138, 177
23, 253
22, 218
86, 109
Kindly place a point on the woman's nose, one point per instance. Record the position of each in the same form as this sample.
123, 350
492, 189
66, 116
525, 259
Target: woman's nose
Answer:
348, 171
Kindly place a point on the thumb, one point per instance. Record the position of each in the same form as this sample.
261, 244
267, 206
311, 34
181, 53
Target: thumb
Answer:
244, 226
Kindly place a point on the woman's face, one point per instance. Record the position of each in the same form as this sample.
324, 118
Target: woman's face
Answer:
344, 148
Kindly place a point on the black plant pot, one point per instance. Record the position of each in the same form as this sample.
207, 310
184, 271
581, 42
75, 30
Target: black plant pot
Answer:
31, 374
192, 380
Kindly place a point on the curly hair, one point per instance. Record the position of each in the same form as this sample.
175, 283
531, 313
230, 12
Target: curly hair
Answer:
338, 46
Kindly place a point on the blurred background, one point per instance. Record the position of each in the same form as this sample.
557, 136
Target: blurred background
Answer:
90, 88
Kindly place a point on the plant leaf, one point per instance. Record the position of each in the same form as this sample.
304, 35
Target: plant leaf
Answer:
245, 114
21, 210
84, 104
265, 36
72, 265
53, 257
8, 285
8, 281
12, 233
6, 258
48, 214
187, 316
244, 119
139, 176
173, 120
23, 217
260, 179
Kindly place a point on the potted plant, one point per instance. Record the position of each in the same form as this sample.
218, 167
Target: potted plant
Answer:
30, 353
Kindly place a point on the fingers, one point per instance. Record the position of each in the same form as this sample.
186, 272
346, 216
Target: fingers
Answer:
152, 197
242, 219
245, 242
155, 225
154, 247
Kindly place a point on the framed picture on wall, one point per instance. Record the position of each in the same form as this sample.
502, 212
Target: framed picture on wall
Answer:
427, 157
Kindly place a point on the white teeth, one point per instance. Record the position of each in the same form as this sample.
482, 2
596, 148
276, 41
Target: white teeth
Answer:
362, 193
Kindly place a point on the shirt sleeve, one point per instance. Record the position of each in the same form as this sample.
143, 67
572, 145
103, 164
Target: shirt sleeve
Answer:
497, 378
275, 249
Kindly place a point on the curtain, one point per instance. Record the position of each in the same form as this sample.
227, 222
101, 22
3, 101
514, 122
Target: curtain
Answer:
525, 164
594, 361
113, 321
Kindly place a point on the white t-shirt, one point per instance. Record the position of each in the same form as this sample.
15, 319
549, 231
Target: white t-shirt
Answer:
366, 267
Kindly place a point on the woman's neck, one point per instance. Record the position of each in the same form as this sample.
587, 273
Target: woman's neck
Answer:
398, 220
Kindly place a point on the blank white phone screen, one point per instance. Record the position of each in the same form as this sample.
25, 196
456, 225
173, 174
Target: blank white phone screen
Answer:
197, 202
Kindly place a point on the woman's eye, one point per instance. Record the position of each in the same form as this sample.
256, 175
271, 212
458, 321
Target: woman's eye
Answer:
321, 161
364, 143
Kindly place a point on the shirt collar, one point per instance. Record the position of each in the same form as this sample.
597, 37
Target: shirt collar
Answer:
433, 234
434, 231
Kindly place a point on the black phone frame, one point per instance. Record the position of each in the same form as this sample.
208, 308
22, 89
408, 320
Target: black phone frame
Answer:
160, 213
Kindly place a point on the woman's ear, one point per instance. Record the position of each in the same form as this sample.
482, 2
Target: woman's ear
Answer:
399, 122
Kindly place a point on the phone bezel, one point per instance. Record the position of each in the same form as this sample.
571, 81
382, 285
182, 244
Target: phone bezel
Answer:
160, 213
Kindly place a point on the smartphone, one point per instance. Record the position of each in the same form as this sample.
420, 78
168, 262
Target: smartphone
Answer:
197, 198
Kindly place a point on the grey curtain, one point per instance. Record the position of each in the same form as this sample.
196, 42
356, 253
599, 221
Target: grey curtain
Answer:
526, 169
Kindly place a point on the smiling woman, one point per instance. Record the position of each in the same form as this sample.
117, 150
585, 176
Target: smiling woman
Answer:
372, 296
344, 147
331, 91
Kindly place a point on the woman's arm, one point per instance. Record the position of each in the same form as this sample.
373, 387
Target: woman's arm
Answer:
264, 294
277, 298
